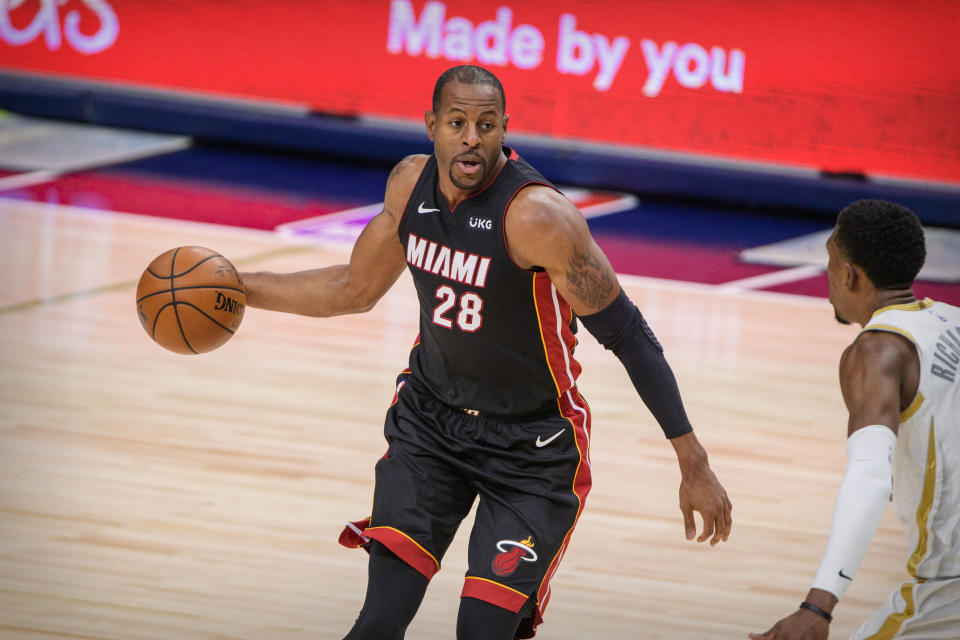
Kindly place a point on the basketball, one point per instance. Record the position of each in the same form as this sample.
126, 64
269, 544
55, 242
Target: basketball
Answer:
190, 300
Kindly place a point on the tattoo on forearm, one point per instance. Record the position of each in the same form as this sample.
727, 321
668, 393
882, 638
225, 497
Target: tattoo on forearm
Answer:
588, 278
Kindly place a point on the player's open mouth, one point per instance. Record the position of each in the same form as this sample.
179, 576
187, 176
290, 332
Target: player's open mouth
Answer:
469, 166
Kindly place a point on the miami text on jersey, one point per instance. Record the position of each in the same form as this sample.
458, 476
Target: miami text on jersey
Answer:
441, 260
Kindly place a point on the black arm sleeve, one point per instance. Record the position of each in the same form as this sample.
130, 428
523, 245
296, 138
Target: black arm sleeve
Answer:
620, 328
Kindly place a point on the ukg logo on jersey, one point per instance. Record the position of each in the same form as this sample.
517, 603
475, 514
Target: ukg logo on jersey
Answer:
46, 23
499, 42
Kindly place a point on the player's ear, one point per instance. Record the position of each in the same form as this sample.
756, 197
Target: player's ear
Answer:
430, 120
506, 119
851, 275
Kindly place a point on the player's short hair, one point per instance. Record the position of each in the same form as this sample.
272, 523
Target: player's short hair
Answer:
467, 74
885, 239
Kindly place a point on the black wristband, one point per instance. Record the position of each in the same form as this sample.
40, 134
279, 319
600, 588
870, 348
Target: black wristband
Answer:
817, 610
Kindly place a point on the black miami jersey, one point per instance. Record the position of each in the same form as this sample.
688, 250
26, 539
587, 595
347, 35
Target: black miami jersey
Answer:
494, 337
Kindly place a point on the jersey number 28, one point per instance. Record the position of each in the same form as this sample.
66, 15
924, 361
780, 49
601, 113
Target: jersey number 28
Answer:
468, 318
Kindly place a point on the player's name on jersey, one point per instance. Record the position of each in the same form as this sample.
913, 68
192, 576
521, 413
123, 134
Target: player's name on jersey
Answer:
948, 353
441, 260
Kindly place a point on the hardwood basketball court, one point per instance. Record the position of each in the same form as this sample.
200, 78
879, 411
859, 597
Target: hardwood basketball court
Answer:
148, 495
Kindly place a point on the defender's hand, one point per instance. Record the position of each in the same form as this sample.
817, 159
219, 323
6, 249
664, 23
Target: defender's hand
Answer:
800, 625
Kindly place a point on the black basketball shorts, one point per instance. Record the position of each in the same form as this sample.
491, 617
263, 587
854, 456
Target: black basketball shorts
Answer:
531, 477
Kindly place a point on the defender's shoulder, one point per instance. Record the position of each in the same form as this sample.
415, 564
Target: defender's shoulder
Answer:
877, 350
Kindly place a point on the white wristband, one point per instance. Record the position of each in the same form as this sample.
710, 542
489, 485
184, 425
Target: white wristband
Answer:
861, 500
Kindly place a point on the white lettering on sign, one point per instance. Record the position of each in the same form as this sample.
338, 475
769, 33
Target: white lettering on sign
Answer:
47, 22
579, 52
498, 42
692, 66
493, 42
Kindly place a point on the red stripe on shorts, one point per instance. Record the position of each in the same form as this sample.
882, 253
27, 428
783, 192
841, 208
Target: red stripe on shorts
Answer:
493, 592
406, 549
575, 409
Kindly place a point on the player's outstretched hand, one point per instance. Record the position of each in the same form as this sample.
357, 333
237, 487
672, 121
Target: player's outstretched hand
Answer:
800, 625
701, 491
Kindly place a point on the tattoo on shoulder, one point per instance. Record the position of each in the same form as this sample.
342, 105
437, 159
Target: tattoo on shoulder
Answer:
400, 166
589, 279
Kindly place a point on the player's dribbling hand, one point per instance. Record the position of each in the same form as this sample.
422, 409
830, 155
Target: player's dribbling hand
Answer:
800, 625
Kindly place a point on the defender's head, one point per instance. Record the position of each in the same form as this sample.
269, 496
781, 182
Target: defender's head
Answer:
876, 245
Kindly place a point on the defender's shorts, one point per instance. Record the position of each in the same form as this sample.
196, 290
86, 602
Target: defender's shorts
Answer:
918, 610
532, 478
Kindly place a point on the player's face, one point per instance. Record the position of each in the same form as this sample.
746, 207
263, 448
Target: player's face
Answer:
468, 132
835, 278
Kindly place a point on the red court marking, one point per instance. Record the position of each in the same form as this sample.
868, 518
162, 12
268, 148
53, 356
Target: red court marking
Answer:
219, 204
692, 263
177, 199
817, 286
677, 261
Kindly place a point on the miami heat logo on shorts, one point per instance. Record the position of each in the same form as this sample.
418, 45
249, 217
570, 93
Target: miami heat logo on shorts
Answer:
511, 553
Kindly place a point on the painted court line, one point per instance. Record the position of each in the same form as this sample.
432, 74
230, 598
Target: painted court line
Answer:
771, 279
21, 180
942, 263
665, 284
31, 178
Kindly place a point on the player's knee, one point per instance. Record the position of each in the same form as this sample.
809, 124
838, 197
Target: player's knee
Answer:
394, 592
371, 628
479, 620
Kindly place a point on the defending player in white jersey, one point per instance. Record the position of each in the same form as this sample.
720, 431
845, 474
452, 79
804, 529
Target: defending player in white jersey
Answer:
900, 383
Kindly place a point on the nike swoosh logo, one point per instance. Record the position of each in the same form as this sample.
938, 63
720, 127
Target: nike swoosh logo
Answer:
543, 443
420, 209
844, 576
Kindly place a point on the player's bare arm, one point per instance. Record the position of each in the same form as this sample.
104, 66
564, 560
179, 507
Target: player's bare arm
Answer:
879, 376
544, 229
377, 260
589, 277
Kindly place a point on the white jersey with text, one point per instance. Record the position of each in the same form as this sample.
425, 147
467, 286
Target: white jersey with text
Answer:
926, 461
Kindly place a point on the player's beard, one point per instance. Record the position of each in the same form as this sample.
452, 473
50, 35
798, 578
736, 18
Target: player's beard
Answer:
839, 319
480, 177
462, 185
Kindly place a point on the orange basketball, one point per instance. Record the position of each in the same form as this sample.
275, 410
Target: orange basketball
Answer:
190, 300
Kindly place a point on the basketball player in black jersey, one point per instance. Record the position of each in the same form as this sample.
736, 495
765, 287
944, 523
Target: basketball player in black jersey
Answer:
488, 409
